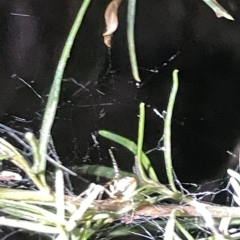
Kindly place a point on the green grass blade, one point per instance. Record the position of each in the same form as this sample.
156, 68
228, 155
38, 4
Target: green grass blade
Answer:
28, 225
130, 37
25, 210
138, 159
53, 98
141, 131
183, 230
167, 132
25, 195
100, 171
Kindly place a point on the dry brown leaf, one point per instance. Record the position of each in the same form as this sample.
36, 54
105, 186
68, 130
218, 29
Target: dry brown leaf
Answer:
111, 20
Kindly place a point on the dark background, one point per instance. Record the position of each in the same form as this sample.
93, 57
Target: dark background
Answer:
183, 34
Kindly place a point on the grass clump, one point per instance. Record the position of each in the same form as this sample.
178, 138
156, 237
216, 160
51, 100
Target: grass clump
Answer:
52, 212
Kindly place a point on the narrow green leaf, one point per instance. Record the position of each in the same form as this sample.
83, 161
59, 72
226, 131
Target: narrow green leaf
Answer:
167, 132
53, 98
130, 37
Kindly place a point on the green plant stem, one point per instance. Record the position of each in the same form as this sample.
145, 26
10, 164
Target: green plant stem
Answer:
130, 37
141, 131
35, 150
139, 163
28, 225
100, 171
53, 98
25, 195
59, 189
167, 132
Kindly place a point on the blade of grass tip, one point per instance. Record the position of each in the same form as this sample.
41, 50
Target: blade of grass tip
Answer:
130, 37
167, 132
140, 131
53, 98
218, 9
59, 189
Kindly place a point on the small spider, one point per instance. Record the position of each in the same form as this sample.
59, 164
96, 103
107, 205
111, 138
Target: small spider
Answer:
118, 188
122, 188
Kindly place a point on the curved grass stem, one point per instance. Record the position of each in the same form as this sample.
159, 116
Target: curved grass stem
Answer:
53, 98
130, 37
167, 132
141, 131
